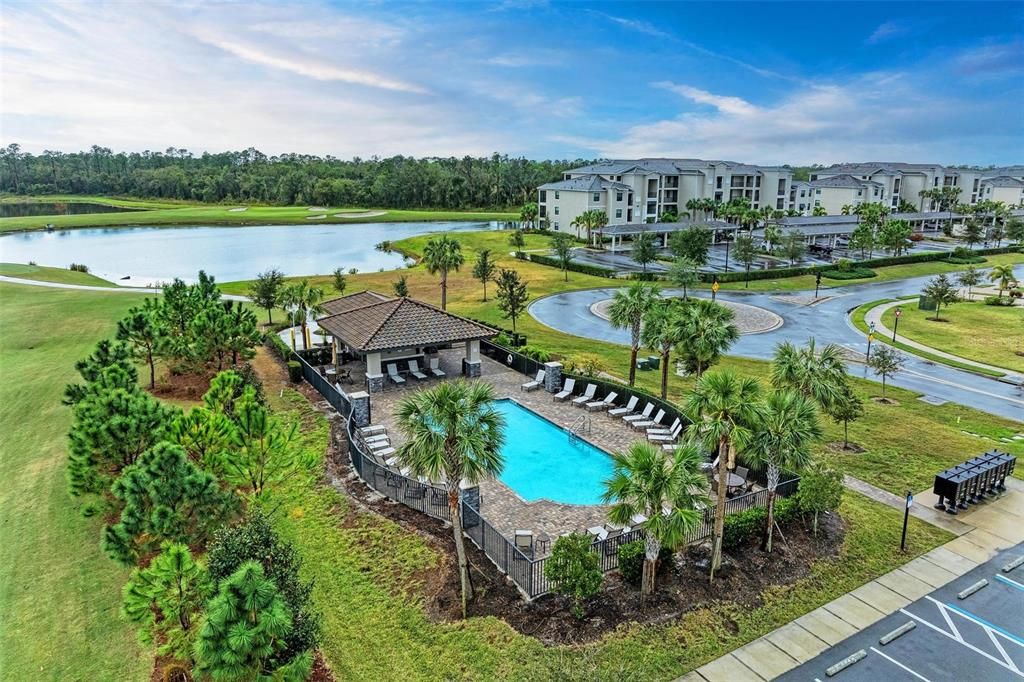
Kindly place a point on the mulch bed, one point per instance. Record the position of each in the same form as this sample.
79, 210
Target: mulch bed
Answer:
183, 386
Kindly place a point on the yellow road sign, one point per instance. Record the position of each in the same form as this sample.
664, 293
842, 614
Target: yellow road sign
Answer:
715, 287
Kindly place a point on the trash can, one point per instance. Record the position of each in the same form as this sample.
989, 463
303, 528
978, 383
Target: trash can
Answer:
653, 361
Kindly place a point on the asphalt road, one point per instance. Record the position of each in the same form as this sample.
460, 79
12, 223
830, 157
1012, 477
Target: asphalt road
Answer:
826, 321
980, 637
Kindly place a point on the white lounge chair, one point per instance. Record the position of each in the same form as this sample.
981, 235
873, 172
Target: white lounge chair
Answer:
535, 384
672, 447
646, 414
598, 405
644, 425
379, 438
372, 430
385, 454
435, 367
623, 411
566, 390
588, 395
662, 431
414, 369
666, 437
378, 445
393, 374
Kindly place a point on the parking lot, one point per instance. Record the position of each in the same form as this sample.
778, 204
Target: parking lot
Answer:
979, 637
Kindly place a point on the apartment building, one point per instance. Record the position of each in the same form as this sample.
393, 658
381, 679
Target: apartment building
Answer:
906, 181
834, 192
641, 190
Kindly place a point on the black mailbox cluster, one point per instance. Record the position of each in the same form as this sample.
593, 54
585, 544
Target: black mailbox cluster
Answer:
973, 481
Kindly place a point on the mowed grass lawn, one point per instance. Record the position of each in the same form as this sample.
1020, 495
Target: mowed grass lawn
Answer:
59, 595
984, 333
905, 444
370, 576
42, 273
215, 214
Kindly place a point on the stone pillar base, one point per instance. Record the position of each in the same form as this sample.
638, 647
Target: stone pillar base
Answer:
552, 377
375, 383
471, 368
360, 409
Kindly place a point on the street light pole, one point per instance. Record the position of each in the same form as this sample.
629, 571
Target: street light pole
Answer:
906, 517
896, 324
727, 253
871, 337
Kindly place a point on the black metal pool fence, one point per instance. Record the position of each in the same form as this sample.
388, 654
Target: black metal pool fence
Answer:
524, 570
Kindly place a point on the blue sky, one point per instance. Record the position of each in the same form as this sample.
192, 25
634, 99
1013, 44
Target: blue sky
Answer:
760, 82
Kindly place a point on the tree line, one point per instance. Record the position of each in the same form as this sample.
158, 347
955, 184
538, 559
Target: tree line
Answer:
401, 182
212, 588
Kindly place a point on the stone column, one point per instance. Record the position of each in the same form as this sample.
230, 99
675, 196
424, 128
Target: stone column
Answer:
360, 409
552, 377
471, 365
374, 375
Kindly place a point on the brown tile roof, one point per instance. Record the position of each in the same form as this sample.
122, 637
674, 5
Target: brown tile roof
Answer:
400, 323
352, 301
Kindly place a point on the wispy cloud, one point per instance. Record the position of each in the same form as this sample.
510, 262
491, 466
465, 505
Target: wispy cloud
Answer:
735, 106
637, 25
888, 30
994, 60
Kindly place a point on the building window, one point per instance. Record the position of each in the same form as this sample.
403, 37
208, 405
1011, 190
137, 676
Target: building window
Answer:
556, 193
817, 202
556, 210
860, 192
618, 213
817, 191
782, 186
543, 210
757, 195
718, 182
618, 196
779, 203
803, 192
597, 196
556, 224
757, 182
543, 195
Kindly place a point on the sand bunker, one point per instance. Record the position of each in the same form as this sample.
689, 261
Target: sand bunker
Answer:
238, 210
360, 214
316, 217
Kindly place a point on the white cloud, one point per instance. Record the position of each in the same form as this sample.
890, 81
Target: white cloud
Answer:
637, 25
876, 116
887, 30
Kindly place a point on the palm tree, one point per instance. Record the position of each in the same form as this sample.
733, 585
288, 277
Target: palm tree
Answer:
453, 434
723, 409
667, 489
1003, 276
708, 331
786, 427
442, 254
304, 300
627, 311
662, 329
820, 377
694, 205
528, 214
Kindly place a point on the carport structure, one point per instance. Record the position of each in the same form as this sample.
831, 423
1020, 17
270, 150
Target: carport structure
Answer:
619, 233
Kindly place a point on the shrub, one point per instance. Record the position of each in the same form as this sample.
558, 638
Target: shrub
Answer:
78, 267
574, 570
294, 371
1016, 293
586, 364
573, 266
279, 347
849, 273
821, 490
744, 526
995, 300
536, 353
844, 265
631, 560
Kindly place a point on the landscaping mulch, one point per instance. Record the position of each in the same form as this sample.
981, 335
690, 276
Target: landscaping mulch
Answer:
182, 386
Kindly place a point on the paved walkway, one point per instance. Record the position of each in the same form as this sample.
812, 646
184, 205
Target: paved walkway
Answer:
991, 528
875, 315
106, 290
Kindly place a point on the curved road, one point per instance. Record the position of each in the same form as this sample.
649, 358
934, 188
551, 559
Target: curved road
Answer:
826, 321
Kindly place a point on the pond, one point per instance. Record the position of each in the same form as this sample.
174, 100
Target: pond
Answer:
147, 255
37, 208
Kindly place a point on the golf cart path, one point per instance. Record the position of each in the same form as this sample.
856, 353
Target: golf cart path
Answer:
875, 315
89, 287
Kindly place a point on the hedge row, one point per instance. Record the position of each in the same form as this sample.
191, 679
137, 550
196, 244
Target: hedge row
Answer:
279, 347
853, 273
744, 526
583, 268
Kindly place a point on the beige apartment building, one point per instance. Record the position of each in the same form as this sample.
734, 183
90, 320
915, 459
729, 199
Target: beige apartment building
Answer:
906, 181
835, 192
641, 190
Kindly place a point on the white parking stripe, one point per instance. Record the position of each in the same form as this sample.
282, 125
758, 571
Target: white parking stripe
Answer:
962, 642
893, 660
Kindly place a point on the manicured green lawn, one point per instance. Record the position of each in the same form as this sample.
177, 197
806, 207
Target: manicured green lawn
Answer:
166, 213
984, 333
883, 274
42, 273
369, 580
96, 199
59, 595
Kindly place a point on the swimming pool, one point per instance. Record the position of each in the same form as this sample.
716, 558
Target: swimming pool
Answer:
542, 463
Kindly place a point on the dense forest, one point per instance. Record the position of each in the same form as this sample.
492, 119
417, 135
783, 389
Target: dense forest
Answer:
290, 179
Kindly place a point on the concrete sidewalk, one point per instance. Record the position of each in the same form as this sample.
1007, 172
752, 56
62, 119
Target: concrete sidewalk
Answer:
993, 526
885, 333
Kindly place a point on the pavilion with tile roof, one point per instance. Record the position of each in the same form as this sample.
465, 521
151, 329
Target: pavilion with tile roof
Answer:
386, 330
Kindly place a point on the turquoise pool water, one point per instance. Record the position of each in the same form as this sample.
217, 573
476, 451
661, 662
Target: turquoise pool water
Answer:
540, 462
